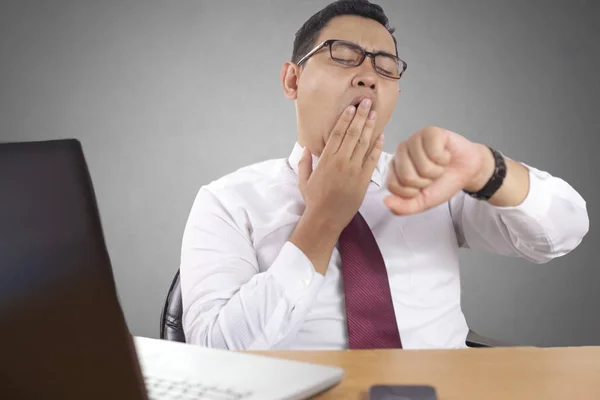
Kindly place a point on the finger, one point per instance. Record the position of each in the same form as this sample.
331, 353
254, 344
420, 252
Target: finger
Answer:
406, 173
304, 169
439, 192
363, 146
338, 132
372, 158
435, 145
396, 188
380, 136
443, 189
425, 168
402, 206
403, 191
354, 131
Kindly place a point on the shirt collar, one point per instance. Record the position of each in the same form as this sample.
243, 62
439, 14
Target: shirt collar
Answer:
296, 155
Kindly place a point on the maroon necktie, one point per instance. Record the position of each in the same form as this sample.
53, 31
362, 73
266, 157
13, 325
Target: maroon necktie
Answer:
369, 309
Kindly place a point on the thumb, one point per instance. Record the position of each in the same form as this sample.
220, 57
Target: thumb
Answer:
440, 191
304, 168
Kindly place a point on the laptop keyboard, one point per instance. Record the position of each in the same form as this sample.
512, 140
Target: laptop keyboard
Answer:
169, 389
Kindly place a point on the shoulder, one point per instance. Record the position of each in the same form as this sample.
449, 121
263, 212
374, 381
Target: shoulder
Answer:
254, 176
249, 184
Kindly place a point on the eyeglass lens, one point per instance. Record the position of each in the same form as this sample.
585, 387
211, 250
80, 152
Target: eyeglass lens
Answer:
351, 55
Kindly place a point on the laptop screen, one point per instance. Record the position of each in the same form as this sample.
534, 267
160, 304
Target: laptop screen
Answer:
62, 331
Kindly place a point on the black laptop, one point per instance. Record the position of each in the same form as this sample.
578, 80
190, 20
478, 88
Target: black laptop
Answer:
62, 332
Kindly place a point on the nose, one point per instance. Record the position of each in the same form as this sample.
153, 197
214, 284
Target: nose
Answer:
365, 75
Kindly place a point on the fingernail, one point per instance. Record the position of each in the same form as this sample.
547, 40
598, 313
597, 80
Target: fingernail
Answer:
381, 138
372, 115
366, 103
350, 110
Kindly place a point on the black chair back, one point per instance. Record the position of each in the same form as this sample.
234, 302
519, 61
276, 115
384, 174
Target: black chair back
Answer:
171, 327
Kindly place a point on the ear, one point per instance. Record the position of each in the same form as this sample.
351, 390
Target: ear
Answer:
290, 74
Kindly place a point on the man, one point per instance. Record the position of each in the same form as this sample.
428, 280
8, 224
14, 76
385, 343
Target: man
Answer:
343, 246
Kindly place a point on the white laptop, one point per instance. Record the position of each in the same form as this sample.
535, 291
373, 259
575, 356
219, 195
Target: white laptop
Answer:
196, 372
63, 332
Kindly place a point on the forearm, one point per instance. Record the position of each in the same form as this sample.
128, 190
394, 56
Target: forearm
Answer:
263, 312
550, 221
316, 237
267, 309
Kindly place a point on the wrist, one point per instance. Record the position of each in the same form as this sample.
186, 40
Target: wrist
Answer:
320, 225
316, 238
485, 170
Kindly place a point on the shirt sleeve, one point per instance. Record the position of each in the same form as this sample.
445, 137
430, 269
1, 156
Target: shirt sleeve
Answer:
227, 302
550, 222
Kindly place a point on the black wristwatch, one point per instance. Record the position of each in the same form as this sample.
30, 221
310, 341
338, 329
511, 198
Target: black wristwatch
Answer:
492, 186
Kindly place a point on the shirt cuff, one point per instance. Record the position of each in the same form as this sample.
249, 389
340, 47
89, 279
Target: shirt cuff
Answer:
295, 273
538, 201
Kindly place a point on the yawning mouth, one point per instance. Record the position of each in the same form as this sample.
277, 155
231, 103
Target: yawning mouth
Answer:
357, 100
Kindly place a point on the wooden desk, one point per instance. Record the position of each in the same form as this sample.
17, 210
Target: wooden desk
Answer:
471, 374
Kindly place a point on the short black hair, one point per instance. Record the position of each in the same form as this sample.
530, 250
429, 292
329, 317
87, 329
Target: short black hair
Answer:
309, 32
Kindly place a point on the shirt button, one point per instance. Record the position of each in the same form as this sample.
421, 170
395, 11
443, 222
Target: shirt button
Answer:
305, 283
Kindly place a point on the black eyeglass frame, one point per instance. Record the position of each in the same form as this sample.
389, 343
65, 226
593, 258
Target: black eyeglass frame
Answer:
365, 54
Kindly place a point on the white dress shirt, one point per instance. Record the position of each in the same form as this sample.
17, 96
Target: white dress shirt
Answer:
245, 286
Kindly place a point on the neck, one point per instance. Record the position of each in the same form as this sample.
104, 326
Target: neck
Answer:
315, 146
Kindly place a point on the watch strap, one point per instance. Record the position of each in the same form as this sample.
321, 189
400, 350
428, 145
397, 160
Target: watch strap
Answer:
495, 182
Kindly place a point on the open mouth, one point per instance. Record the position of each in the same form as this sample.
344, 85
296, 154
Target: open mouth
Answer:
357, 100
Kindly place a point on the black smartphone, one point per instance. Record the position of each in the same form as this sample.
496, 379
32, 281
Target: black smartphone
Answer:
402, 392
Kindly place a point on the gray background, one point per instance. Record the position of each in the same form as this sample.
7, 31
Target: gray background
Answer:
168, 95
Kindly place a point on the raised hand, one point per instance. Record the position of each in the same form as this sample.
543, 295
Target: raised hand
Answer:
432, 166
336, 188
334, 191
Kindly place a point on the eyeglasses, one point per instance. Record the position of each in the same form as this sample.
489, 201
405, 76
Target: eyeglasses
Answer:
352, 55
